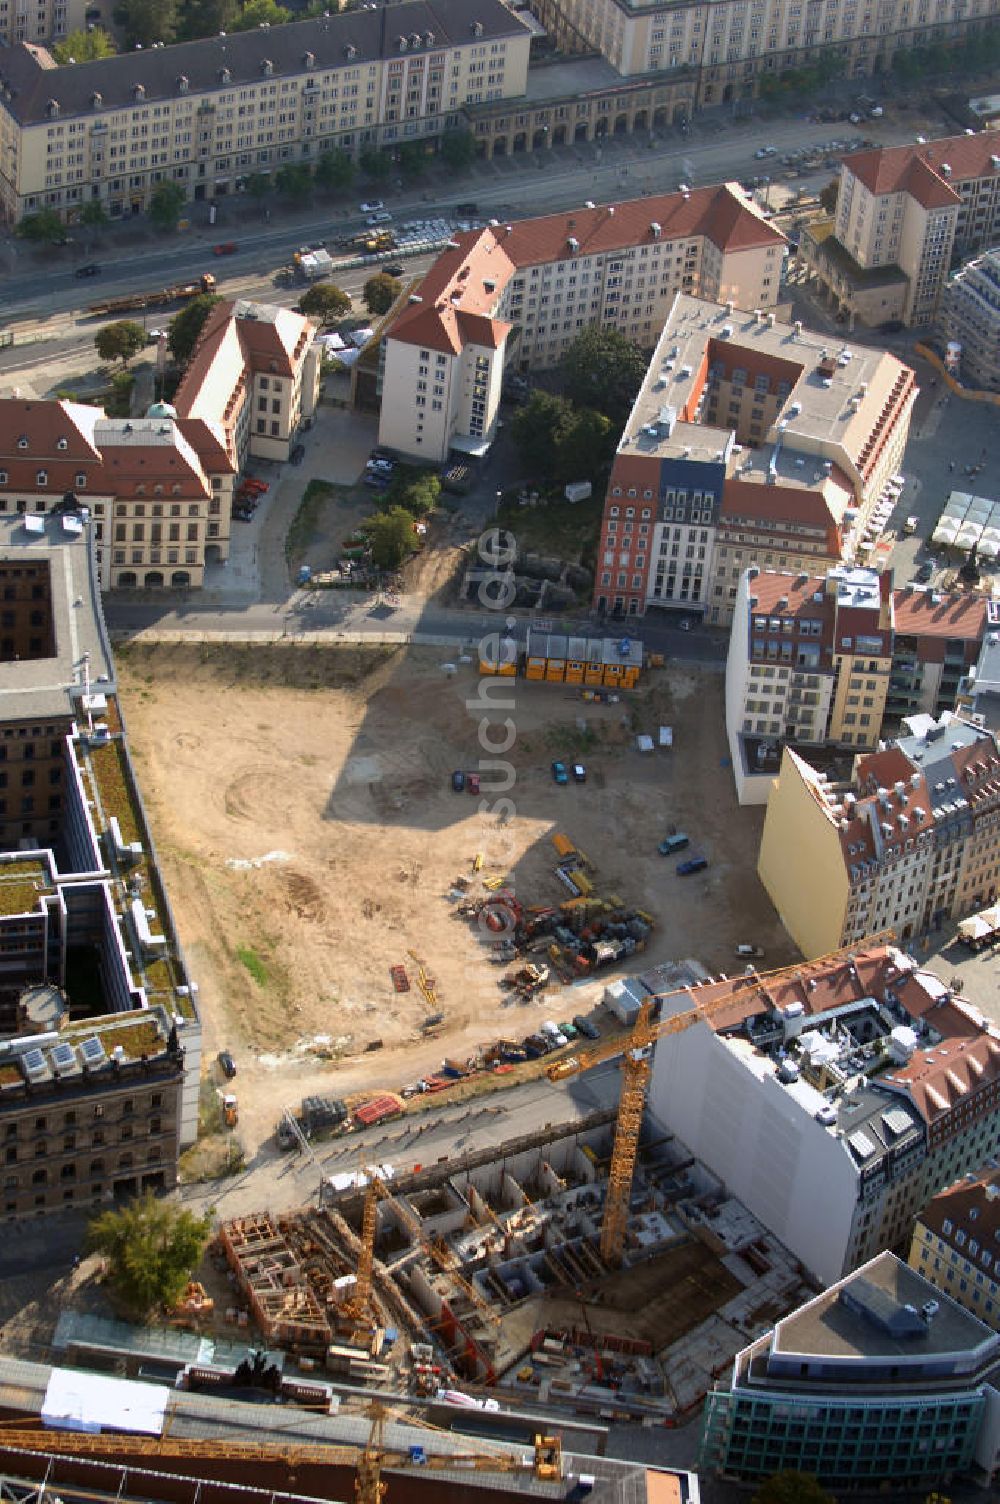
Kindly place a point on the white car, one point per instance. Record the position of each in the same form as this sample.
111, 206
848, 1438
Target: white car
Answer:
382, 218
372, 208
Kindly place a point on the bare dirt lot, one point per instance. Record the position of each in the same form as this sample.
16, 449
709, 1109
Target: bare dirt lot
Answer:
302, 806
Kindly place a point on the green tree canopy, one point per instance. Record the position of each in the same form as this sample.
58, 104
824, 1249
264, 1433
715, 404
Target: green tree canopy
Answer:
165, 204
585, 444
412, 159
458, 149
120, 341
416, 491
334, 170
380, 292
534, 431
828, 196
44, 228
604, 370
391, 537
185, 327
83, 47
792, 1488
206, 18
147, 21
258, 185
93, 213
325, 301
151, 1247
295, 181
258, 12
375, 163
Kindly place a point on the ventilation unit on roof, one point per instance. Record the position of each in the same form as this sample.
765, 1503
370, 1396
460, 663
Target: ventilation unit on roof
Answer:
93, 1054
65, 1059
34, 1065
797, 326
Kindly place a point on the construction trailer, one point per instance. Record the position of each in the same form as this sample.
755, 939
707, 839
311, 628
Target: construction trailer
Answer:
600, 662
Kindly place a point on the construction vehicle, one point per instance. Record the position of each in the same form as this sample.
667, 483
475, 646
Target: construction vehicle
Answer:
527, 980
636, 1055
230, 1110
370, 241
136, 301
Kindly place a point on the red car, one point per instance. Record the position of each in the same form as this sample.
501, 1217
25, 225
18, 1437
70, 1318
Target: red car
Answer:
251, 483
472, 783
227, 248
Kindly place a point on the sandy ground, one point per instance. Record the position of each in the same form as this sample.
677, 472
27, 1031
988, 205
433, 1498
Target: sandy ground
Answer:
302, 807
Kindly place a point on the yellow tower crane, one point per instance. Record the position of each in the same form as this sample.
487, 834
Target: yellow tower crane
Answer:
637, 1068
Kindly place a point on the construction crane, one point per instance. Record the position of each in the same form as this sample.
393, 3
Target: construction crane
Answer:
368, 1485
359, 1306
637, 1067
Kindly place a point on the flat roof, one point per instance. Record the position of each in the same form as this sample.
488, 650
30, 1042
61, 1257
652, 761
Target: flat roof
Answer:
826, 1327
33, 688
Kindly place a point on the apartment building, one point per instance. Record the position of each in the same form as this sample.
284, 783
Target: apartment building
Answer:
40, 20
833, 1100
956, 1243
750, 442
208, 114
517, 295
970, 319
937, 642
911, 839
100, 1041
809, 659
903, 213
880, 1382
732, 46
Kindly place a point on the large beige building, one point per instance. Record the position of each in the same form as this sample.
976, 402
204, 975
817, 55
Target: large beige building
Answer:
208, 114
514, 296
902, 213
956, 1243
732, 43
750, 442
913, 838
40, 20
970, 318
159, 489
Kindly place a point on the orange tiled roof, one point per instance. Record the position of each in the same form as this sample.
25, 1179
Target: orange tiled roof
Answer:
916, 169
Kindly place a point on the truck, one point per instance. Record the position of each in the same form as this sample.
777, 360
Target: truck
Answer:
136, 301
370, 241
314, 264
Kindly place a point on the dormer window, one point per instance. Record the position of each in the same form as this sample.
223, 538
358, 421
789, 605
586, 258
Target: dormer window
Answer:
3, 477
350, 50
477, 28
80, 481
140, 490
96, 100
183, 84
225, 77
138, 91
401, 42
22, 442
42, 478
428, 39
62, 443
266, 67
308, 59
53, 109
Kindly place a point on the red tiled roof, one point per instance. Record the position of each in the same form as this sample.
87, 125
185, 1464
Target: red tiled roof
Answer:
971, 1205
922, 613
916, 169
944, 1076
789, 504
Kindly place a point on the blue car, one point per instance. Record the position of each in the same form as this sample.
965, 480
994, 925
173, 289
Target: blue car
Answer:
693, 864
458, 780
559, 772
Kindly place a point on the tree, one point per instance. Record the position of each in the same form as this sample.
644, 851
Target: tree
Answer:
151, 1247
93, 214
534, 431
165, 204
458, 149
604, 370
206, 18
258, 185
261, 13
184, 329
584, 444
295, 181
83, 47
120, 341
391, 537
334, 170
828, 196
416, 491
792, 1488
375, 163
380, 292
325, 302
44, 228
147, 21
412, 159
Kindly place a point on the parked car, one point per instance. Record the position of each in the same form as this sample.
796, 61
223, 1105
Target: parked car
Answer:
90, 270
298, 454
586, 1028
910, 526
227, 1064
579, 773
673, 843
373, 207
472, 783
755, 952
225, 248
693, 864
386, 467
383, 217
559, 772
377, 480
394, 269
924, 573
458, 781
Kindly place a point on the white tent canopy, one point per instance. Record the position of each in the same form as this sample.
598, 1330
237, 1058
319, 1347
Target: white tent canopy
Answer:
79, 1401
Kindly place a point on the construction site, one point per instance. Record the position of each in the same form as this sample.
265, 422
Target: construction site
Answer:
595, 1268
